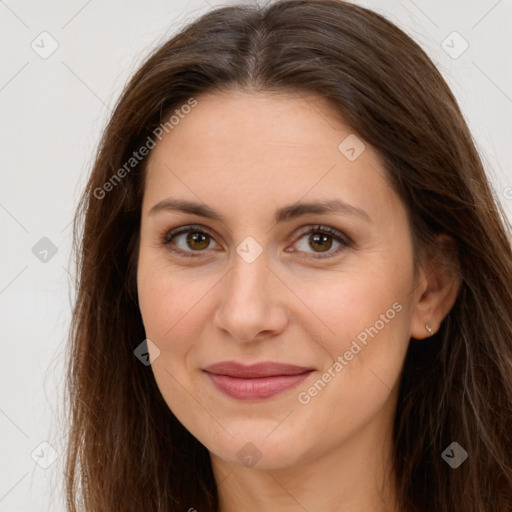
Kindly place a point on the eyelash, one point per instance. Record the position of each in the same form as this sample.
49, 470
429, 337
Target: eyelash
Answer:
344, 240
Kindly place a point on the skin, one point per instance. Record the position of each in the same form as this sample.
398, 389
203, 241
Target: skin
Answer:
246, 155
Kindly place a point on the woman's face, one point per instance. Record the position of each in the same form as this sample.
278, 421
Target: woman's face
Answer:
245, 281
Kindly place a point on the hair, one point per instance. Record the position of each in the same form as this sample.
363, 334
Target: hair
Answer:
126, 450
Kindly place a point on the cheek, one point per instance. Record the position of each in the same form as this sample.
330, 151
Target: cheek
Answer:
363, 359
169, 301
170, 305
347, 305
364, 319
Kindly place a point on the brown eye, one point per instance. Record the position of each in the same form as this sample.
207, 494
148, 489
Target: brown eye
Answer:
320, 239
188, 241
197, 240
320, 242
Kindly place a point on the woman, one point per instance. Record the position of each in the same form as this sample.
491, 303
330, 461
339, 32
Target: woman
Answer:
295, 282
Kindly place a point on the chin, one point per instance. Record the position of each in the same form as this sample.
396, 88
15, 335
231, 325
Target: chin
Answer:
252, 446
260, 455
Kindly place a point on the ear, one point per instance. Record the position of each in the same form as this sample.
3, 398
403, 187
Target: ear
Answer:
437, 287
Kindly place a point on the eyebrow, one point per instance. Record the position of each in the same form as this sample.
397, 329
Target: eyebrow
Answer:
284, 214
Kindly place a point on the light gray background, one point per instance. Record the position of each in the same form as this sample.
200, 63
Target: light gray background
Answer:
52, 113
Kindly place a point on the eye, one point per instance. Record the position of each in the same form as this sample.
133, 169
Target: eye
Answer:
192, 241
321, 239
188, 240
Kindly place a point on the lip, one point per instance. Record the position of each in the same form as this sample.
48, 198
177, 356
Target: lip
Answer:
256, 381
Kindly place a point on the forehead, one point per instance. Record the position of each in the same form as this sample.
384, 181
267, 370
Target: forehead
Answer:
263, 149
260, 124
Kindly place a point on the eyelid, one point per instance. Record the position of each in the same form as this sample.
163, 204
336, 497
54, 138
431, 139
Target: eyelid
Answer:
185, 229
323, 228
169, 235
344, 240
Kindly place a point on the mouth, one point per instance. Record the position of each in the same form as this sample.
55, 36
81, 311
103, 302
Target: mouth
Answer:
257, 381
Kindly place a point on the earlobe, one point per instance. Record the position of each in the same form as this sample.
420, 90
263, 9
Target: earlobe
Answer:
441, 285
429, 329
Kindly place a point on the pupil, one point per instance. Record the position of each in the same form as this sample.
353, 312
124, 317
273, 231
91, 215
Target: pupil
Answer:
320, 238
197, 238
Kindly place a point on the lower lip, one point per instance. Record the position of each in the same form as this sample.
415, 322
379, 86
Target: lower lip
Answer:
255, 389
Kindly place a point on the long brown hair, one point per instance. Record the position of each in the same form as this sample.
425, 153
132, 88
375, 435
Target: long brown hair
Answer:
126, 449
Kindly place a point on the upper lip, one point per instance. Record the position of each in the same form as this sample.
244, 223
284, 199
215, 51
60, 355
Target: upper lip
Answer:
257, 370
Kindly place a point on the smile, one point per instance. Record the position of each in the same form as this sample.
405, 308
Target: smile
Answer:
255, 382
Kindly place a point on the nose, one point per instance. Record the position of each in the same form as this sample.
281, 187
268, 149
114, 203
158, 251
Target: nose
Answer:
252, 302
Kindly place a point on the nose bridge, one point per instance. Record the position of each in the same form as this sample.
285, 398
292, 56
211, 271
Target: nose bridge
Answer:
247, 282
